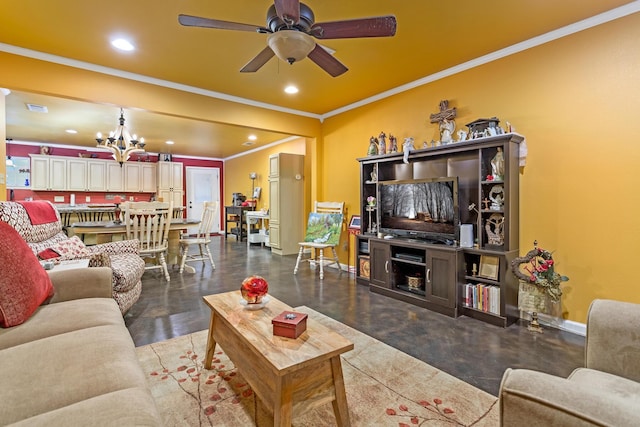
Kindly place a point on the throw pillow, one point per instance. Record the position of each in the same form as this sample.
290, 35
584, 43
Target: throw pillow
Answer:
48, 254
24, 284
71, 248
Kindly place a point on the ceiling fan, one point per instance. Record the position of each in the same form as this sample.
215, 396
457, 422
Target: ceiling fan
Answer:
292, 28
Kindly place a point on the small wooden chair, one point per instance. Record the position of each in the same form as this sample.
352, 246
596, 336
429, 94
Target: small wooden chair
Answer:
149, 222
324, 228
202, 238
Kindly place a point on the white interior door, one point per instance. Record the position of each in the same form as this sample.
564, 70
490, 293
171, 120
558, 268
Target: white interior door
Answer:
203, 185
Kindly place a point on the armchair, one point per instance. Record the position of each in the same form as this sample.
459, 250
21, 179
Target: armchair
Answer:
126, 265
605, 392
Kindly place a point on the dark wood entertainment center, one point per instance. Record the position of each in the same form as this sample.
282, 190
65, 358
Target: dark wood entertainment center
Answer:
445, 277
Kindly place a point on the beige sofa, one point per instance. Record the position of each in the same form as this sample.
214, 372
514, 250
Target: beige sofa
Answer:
73, 363
606, 392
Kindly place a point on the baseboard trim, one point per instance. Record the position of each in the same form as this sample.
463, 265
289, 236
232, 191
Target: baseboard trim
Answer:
562, 324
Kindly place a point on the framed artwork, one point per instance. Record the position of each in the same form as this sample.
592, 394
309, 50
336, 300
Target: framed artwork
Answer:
355, 222
165, 157
489, 267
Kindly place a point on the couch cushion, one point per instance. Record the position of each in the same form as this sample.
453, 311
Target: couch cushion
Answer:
62, 317
129, 407
625, 390
24, 284
59, 371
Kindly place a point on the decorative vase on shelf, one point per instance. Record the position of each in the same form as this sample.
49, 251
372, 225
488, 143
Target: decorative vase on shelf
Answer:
254, 289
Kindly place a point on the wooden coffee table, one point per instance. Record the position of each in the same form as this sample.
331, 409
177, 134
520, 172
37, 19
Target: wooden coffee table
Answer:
288, 375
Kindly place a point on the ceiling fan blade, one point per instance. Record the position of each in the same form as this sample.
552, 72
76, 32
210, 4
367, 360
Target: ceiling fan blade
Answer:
196, 21
288, 11
262, 58
381, 26
327, 62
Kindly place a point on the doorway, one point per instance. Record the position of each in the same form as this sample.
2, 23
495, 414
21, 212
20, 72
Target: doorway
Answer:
203, 185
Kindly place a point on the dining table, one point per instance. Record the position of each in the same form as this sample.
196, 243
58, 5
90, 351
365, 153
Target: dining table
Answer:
96, 232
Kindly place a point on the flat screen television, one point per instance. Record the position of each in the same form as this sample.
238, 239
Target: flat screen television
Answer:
423, 209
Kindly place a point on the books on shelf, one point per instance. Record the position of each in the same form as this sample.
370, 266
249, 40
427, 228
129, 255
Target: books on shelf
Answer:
482, 297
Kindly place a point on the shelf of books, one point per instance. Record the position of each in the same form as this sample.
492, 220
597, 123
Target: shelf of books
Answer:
486, 288
481, 297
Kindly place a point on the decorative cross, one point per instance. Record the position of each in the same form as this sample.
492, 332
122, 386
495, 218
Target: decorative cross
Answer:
445, 113
485, 203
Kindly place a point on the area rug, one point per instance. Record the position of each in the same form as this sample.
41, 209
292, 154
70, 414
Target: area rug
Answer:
384, 387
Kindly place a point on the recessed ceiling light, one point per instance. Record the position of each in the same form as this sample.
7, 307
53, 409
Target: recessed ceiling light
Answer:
122, 44
291, 89
252, 137
170, 142
72, 131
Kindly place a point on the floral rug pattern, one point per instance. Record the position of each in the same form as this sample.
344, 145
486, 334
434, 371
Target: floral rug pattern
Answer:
384, 387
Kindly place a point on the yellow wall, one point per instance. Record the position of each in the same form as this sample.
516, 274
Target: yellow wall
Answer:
236, 171
576, 100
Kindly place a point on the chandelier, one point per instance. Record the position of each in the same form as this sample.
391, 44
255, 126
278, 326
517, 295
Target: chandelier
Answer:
121, 143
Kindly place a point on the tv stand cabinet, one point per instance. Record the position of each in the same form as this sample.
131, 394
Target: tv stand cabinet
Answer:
473, 281
414, 272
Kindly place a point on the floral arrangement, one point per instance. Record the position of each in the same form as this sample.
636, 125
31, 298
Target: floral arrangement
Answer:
371, 201
538, 268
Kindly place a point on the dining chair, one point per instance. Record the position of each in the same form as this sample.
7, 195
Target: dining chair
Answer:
149, 223
201, 239
324, 228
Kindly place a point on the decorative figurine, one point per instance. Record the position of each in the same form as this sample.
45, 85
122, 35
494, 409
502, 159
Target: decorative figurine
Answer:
497, 165
382, 143
444, 118
407, 146
446, 129
496, 195
393, 144
485, 203
494, 228
462, 135
474, 269
373, 146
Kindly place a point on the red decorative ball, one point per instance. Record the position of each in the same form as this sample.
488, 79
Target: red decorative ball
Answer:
253, 289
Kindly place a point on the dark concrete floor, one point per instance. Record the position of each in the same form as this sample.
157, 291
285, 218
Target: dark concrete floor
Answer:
473, 351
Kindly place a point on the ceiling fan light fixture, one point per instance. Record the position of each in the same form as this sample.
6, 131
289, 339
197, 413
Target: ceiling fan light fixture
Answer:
291, 45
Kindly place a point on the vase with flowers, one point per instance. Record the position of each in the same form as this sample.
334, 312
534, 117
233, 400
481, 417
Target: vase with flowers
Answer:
371, 201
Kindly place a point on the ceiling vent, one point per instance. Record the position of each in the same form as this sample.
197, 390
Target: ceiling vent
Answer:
37, 108
248, 143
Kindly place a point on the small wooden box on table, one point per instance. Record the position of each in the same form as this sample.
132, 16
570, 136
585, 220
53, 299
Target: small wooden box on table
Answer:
288, 375
289, 324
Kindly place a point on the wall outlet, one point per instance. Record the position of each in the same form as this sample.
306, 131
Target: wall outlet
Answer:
58, 199
87, 199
